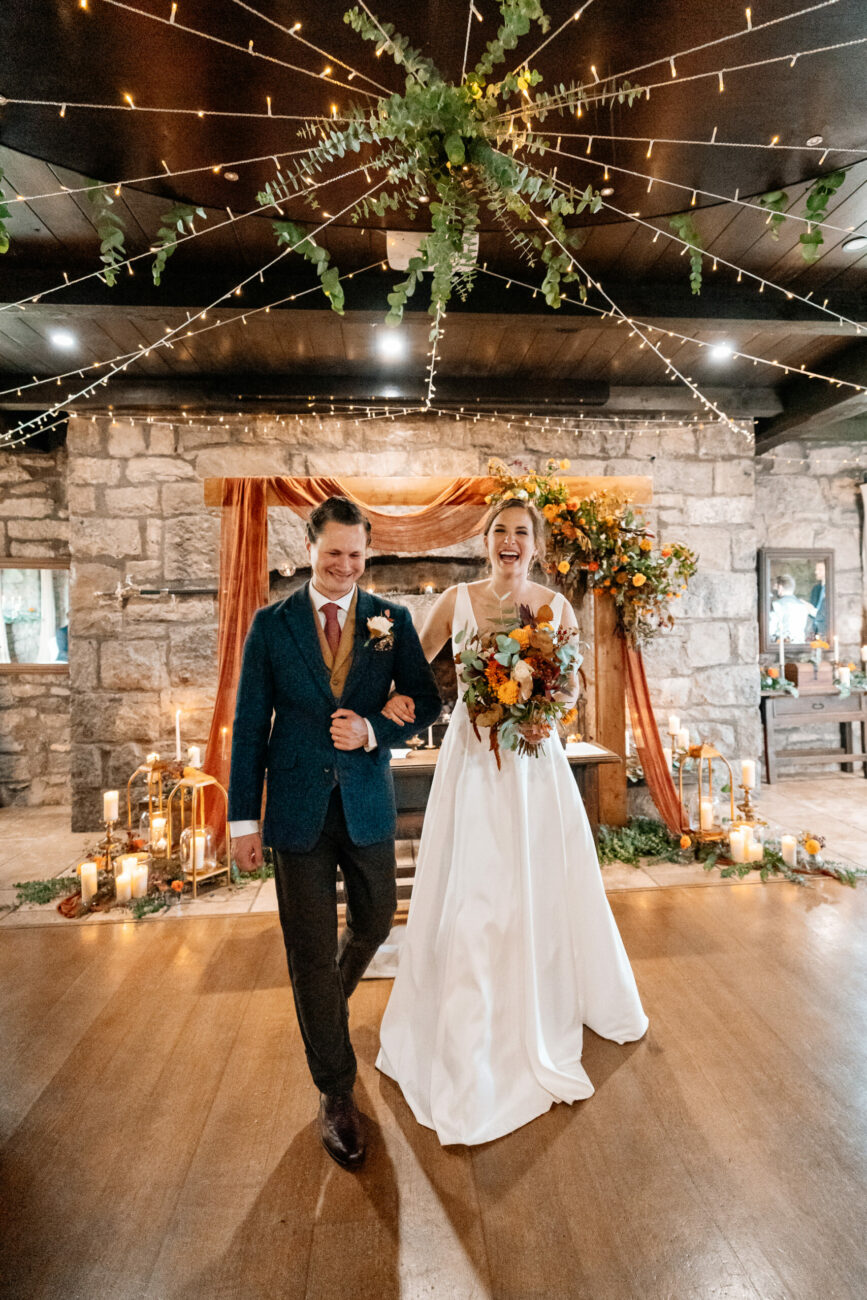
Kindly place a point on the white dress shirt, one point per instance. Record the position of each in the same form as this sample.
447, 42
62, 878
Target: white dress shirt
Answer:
251, 827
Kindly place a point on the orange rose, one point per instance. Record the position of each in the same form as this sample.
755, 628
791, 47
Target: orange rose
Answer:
572, 504
685, 842
178, 886
666, 551
564, 566
773, 672
638, 580
550, 512
593, 566
646, 544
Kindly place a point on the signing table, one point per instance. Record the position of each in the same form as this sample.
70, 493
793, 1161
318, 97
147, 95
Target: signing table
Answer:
807, 709
413, 775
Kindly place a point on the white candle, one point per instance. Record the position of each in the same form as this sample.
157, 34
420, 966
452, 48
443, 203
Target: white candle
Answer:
151, 759
748, 839
158, 833
109, 806
864, 654
748, 773
198, 862
836, 649
195, 756
782, 651
224, 731
736, 845
673, 724
683, 738
756, 853
127, 863
844, 675
140, 881
789, 850
667, 755
178, 734
706, 814
123, 887
88, 881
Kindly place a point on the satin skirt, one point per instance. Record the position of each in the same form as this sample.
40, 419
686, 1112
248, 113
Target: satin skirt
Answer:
510, 947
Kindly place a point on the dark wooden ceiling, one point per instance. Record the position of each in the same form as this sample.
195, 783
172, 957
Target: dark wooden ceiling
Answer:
54, 50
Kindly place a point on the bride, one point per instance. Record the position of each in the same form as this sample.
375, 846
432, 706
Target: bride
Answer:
511, 947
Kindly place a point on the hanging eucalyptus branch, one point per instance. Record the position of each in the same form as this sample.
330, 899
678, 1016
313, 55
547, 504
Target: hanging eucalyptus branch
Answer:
775, 201
110, 229
329, 276
174, 222
4, 217
820, 194
685, 228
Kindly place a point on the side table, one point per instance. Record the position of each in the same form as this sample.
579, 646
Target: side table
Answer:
780, 711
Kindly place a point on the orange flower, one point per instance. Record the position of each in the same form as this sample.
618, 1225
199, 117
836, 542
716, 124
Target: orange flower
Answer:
646, 544
621, 577
564, 566
550, 511
178, 886
593, 566
773, 672
666, 551
569, 530
508, 692
495, 673
812, 846
685, 842
638, 580
521, 635
564, 464
572, 504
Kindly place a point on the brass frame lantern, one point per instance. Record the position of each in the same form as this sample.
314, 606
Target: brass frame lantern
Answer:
705, 754
191, 804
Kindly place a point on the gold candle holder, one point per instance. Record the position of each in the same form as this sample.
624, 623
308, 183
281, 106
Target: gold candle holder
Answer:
749, 813
109, 848
705, 754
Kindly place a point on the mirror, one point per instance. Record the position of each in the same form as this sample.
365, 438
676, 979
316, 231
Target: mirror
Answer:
34, 615
796, 597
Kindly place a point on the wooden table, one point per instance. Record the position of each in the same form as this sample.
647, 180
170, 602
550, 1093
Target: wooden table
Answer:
780, 711
413, 776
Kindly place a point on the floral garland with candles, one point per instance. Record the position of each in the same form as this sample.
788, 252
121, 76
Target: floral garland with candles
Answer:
602, 543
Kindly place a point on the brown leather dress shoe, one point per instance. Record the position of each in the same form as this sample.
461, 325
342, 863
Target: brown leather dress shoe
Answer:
341, 1129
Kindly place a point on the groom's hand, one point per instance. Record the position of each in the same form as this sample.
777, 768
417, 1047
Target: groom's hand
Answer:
247, 850
348, 730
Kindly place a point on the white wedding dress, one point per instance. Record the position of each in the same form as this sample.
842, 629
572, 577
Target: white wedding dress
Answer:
510, 947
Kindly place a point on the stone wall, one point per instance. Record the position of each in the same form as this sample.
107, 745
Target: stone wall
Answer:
136, 514
34, 707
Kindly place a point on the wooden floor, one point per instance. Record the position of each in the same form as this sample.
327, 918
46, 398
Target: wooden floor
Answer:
158, 1143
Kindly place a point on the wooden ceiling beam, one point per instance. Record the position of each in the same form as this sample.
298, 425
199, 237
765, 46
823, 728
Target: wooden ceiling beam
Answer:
810, 406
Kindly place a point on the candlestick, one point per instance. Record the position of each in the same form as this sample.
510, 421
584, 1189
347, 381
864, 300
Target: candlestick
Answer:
674, 723
110, 805
706, 815
748, 773
789, 850
683, 738
178, 735
430, 741
158, 834
88, 881
123, 887
782, 652
736, 845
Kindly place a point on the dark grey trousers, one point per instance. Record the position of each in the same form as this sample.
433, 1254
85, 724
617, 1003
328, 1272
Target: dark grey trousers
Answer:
325, 971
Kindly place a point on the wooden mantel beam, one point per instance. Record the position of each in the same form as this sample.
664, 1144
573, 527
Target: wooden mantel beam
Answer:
637, 489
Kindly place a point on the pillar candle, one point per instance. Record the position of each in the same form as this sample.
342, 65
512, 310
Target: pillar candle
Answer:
158, 833
683, 738
674, 722
844, 675
789, 850
195, 756
706, 814
198, 851
88, 881
748, 839
667, 755
736, 845
178, 734
140, 881
782, 651
123, 887
756, 853
748, 773
127, 863
864, 654
109, 806
151, 759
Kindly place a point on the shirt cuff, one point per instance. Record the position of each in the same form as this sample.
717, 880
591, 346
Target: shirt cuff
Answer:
372, 742
237, 829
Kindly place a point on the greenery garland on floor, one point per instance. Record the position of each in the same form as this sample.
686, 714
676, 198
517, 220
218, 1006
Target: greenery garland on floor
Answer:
645, 837
45, 891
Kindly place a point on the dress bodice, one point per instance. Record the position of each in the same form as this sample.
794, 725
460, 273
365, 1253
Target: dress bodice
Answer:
464, 617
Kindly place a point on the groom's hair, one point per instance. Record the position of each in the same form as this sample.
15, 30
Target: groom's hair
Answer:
335, 510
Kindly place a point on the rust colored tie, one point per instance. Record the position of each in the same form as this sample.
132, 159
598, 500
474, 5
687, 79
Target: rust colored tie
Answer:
332, 626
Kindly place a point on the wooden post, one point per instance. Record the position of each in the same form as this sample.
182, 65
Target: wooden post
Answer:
610, 675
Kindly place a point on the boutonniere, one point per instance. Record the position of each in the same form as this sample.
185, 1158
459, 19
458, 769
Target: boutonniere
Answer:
381, 629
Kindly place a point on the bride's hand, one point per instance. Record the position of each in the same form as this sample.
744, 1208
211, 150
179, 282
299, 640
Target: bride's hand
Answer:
400, 709
535, 733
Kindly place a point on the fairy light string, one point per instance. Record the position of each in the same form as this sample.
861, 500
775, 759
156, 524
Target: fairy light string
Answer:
180, 112
821, 149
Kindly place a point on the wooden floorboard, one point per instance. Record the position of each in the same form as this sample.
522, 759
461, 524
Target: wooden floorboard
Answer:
159, 1139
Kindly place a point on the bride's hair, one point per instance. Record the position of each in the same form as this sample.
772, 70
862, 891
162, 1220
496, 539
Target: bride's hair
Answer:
538, 523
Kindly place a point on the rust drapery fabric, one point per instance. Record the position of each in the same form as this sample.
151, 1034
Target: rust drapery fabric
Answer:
649, 746
454, 516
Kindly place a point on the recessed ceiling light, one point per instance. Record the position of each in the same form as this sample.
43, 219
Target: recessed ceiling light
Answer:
607, 191
63, 339
390, 344
855, 244
722, 352
814, 140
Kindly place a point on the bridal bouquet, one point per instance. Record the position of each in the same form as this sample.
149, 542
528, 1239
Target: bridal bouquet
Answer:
516, 677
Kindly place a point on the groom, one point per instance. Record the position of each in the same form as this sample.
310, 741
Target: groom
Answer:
317, 670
